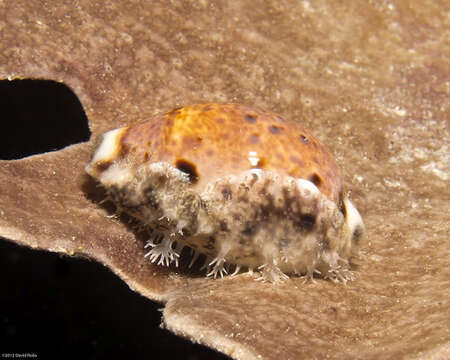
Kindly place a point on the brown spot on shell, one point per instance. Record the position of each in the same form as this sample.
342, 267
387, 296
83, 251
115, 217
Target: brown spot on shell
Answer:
253, 138
315, 179
296, 160
188, 168
275, 129
303, 139
190, 141
250, 118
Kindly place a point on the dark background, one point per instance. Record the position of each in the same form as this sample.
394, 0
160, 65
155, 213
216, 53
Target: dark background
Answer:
52, 305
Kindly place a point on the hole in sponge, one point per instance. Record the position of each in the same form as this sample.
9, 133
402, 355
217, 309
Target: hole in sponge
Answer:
39, 116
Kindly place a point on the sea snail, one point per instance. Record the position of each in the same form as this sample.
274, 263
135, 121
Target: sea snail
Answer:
242, 186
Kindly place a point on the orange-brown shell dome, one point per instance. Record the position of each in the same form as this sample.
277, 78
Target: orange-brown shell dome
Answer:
209, 141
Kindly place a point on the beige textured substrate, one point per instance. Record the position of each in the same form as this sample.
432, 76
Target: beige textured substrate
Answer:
370, 79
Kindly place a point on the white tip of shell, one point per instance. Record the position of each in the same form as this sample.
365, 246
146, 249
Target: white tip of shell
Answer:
307, 186
107, 151
353, 218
